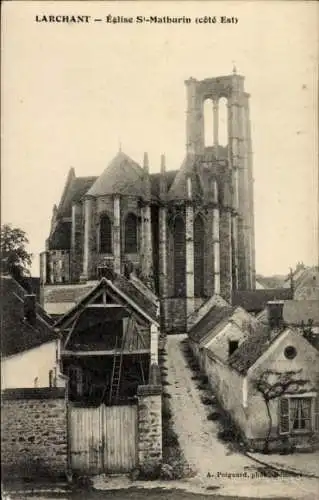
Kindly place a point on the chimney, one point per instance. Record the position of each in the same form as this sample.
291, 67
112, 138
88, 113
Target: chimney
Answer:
275, 313
30, 314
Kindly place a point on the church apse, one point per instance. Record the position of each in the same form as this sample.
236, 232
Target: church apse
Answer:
188, 233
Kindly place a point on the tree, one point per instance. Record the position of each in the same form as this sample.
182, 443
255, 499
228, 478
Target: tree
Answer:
272, 384
15, 259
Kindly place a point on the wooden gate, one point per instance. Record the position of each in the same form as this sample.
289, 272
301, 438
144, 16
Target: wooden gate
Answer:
102, 439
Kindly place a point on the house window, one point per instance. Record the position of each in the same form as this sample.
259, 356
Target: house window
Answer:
290, 352
232, 346
298, 414
105, 234
131, 234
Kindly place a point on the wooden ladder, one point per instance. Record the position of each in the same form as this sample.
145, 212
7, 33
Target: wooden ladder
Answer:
117, 367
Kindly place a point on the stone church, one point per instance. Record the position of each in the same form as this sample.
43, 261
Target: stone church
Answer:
187, 233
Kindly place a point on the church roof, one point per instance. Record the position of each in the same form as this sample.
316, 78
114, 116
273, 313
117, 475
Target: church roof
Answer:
178, 189
74, 190
155, 181
122, 176
202, 169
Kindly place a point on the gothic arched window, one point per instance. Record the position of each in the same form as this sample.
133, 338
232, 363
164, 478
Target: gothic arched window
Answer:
131, 234
105, 234
179, 258
199, 255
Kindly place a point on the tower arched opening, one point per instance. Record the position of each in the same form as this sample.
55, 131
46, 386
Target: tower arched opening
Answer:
223, 122
208, 112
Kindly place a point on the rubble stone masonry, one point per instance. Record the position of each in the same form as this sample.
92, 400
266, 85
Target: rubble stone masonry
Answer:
34, 432
149, 427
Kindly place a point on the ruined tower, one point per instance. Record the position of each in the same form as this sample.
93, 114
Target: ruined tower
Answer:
209, 206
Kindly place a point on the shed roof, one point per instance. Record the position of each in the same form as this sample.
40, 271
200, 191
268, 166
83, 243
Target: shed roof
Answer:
214, 316
126, 292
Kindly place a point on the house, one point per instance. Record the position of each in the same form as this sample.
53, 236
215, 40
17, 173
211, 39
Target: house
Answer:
294, 313
109, 340
274, 357
30, 345
222, 329
306, 284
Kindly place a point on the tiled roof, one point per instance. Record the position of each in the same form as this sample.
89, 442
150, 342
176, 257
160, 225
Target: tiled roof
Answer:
297, 311
76, 189
155, 181
214, 316
178, 189
251, 349
213, 301
17, 335
122, 176
136, 295
122, 287
256, 300
60, 294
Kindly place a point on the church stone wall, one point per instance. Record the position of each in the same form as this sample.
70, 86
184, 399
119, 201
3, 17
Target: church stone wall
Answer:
225, 255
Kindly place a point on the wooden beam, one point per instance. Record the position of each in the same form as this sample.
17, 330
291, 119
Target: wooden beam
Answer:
103, 353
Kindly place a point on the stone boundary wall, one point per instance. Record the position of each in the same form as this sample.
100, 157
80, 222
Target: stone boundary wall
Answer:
149, 416
34, 433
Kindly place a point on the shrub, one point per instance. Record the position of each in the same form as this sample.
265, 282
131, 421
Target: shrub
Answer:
166, 413
149, 473
204, 379
215, 415
195, 367
167, 395
170, 438
227, 434
203, 386
207, 400
165, 382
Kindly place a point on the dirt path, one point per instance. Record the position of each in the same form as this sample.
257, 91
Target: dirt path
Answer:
197, 435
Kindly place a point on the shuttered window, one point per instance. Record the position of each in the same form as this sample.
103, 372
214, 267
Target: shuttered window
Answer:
105, 234
199, 253
298, 414
179, 258
131, 234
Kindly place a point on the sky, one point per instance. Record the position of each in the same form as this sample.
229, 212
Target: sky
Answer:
72, 92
